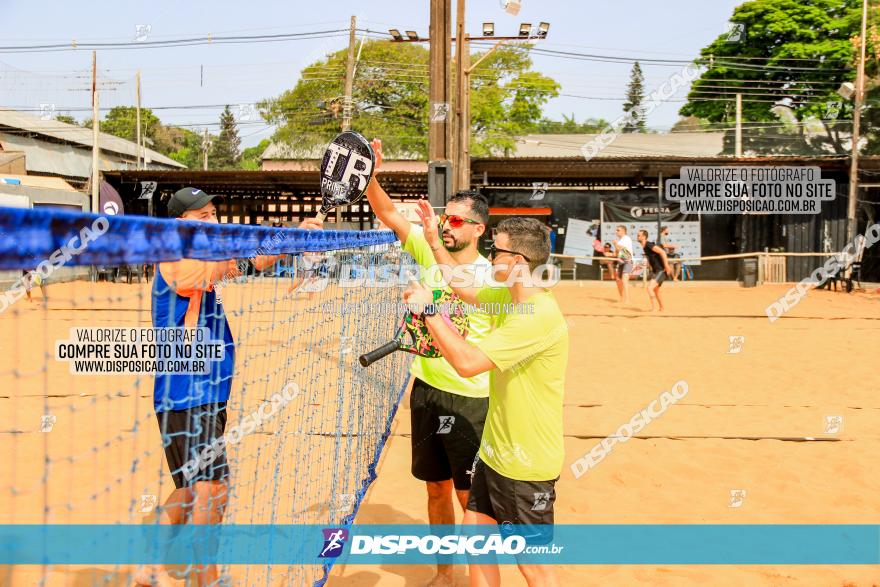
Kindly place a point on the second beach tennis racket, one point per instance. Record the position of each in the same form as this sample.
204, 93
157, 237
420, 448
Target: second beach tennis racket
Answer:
412, 335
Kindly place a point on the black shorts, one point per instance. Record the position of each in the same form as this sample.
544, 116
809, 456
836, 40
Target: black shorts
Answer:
659, 277
185, 434
509, 501
446, 432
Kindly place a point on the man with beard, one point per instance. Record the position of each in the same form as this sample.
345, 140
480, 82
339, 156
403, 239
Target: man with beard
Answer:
448, 411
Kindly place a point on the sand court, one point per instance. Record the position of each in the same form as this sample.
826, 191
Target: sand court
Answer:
755, 421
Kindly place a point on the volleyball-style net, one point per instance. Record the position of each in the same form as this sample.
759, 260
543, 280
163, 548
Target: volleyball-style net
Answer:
82, 446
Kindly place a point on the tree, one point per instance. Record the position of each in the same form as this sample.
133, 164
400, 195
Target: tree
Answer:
390, 100
226, 148
66, 118
121, 121
870, 119
788, 62
635, 95
250, 157
182, 145
569, 125
689, 124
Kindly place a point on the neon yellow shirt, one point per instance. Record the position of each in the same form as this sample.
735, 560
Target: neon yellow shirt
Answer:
522, 438
438, 372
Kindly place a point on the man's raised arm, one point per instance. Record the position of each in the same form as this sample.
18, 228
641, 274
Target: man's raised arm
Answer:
464, 288
381, 202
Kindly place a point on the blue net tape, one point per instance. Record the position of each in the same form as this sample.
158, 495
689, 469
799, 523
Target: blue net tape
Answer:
31, 236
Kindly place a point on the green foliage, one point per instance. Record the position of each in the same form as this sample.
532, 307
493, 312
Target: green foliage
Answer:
226, 148
250, 157
569, 125
121, 121
506, 100
635, 95
66, 119
182, 145
390, 100
817, 34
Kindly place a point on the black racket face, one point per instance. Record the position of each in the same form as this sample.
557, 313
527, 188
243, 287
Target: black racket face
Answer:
346, 170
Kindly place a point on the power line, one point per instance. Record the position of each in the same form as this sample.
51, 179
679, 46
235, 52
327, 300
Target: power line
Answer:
181, 42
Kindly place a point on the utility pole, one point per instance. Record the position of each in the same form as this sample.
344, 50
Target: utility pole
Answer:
349, 86
206, 142
463, 118
738, 149
96, 179
857, 114
449, 142
463, 128
462, 108
439, 129
349, 78
138, 125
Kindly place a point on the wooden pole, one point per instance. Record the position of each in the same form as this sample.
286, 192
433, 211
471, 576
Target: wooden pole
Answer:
138, 92
738, 148
460, 67
349, 86
205, 144
857, 114
659, 206
464, 128
96, 179
439, 92
349, 77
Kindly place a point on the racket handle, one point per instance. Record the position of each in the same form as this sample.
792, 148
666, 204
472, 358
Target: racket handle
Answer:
371, 357
321, 217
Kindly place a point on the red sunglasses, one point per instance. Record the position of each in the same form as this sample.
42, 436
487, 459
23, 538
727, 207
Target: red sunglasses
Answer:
456, 221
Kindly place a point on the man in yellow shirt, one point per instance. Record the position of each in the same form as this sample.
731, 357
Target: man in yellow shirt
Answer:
448, 411
522, 450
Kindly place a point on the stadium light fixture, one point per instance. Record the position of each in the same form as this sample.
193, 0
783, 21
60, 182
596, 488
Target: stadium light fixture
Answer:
395, 34
542, 30
488, 29
524, 29
412, 35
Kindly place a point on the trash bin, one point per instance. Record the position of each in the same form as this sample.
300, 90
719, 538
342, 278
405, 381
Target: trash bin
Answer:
750, 272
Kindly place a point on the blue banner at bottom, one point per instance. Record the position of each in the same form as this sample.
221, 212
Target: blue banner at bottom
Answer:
631, 544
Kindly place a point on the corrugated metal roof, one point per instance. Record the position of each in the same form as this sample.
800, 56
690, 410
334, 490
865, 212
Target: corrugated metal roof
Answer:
629, 145
39, 181
66, 160
283, 151
82, 136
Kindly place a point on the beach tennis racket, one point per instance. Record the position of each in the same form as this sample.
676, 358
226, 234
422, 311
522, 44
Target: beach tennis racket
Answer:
346, 171
412, 335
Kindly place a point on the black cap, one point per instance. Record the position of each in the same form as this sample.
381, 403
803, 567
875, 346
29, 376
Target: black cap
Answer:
188, 199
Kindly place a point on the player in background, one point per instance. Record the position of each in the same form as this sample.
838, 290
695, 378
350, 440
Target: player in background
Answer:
191, 408
29, 280
658, 261
448, 411
623, 250
670, 248
522, 451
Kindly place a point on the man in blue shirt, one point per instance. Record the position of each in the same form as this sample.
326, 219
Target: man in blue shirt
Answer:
191, 408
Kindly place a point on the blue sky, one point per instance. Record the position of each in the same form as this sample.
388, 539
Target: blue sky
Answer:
245, 73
